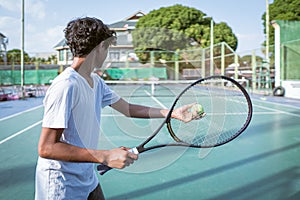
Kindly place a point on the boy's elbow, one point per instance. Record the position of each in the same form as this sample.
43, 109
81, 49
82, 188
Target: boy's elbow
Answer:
44, 151
49, 137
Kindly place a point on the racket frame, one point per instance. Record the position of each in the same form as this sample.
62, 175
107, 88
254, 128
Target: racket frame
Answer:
141, 148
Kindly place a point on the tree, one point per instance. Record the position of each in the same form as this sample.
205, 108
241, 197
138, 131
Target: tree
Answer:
14, 56
52, 59
281, 10
178, 27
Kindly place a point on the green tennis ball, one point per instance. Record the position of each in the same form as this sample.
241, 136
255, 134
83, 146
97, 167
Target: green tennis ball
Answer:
197, 108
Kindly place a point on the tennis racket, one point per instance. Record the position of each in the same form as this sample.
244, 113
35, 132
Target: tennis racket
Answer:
228, 112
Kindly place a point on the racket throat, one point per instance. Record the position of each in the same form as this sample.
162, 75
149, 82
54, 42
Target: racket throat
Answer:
173, 134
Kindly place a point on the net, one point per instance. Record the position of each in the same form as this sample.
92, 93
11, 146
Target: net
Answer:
148, 88
156, 88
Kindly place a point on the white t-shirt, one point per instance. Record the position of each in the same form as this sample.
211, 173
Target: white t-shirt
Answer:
71, 103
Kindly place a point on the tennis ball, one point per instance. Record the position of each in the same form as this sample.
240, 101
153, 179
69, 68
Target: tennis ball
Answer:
197, 108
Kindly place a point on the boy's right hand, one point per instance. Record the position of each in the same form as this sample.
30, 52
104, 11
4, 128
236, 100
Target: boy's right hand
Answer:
119, 158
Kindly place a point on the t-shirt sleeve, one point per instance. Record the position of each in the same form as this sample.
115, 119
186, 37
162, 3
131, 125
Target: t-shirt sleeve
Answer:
108, 96
58, 105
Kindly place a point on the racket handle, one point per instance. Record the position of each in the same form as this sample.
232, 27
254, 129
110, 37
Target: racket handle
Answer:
102, 169
134, 150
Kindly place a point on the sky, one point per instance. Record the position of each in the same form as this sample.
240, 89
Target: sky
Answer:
46, 19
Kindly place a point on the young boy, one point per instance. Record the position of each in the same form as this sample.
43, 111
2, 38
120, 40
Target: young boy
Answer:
71, 123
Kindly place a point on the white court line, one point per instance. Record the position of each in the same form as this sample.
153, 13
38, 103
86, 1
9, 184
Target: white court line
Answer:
39, 122
20, 132
266, 113
25, 111
274, 111
276, 103
277, 111
155, 99
254, 113
121, 115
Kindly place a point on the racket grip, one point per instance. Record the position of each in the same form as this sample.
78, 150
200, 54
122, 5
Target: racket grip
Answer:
102, 169
134, 150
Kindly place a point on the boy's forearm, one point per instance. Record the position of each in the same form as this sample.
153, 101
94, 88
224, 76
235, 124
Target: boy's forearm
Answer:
70, 153
146, 112
138, 111
51, 147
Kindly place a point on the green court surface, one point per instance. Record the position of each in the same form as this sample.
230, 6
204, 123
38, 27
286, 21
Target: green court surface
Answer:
263, 163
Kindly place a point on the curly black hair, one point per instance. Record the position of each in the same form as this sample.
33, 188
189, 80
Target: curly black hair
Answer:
84, 34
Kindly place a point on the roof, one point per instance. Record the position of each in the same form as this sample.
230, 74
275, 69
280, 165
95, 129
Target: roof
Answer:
1, 35
61, 44
135, 16
122, 25
127, 23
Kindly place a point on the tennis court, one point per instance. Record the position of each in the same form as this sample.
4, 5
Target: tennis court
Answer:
263, 163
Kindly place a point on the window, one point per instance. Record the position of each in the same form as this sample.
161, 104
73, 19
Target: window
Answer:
61, 55
69, 55
114, 56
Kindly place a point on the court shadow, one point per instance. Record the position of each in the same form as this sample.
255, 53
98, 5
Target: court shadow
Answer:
259, 126
211, 172
16, 176
276, 187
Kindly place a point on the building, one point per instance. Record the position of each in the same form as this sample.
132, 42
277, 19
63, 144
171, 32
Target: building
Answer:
117, 54
64, 55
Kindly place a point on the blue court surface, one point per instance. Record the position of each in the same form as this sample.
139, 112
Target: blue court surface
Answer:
262, 163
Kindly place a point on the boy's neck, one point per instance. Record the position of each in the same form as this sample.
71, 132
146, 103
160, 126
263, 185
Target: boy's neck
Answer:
83, 68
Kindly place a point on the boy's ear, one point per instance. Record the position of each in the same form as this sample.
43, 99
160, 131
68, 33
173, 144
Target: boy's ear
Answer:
102, 44
109, 41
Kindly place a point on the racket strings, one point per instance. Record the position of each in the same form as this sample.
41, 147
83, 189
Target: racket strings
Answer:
226, 110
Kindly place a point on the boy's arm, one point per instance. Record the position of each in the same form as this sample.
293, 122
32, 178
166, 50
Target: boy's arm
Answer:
132, 110
51, 147
138, 111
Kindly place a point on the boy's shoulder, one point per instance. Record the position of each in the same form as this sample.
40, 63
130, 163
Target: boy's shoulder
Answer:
68, 75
